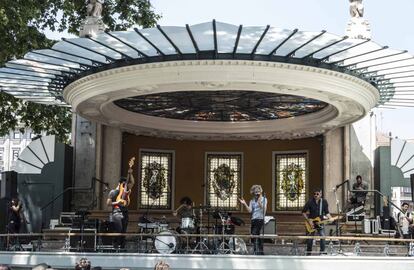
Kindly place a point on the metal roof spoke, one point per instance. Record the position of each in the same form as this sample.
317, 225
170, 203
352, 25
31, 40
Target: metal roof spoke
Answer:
358, 55
392, 73
292, 53
70, 69
108, 58
169, 40
325, 47
283, 41
94, 62
236, 43
149, 42
27, 69
123, 55
82, 65
25, 75
374, 71
343, 50
140, 53
192, 38
215, 38
260, 40
376, 58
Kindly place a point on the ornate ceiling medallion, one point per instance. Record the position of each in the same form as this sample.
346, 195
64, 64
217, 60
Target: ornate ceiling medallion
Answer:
226, 106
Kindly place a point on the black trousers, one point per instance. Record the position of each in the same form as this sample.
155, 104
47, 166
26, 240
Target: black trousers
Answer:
256, 229
14, 226
119, 221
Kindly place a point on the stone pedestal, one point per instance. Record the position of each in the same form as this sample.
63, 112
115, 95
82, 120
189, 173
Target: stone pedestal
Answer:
358, 28
91, 27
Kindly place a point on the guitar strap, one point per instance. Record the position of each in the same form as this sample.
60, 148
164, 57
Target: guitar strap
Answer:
320, 207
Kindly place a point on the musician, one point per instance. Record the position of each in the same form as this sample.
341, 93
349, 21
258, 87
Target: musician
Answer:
119, 215
405, 221
359, 196
185, 210
15, 219
257, 207
316, 207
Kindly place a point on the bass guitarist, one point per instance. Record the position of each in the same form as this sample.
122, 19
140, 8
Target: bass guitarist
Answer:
118, 200
316, 207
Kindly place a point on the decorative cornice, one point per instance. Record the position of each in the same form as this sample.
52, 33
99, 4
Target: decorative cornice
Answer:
350, 97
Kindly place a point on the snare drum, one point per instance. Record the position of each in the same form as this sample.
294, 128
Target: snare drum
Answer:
187, 223
166, 242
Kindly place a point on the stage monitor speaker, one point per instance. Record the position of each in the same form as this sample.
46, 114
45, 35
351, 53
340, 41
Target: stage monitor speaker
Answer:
412, 186
270, 227
8, 188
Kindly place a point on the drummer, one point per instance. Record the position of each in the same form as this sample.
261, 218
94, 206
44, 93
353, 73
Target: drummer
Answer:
185, 210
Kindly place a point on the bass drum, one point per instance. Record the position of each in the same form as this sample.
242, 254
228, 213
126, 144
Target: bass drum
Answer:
166, 242
237, 245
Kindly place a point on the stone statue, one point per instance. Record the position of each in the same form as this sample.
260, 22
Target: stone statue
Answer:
94, 8
356, 8
357, 27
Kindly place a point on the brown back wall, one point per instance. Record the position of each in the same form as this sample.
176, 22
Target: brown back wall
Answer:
189, 162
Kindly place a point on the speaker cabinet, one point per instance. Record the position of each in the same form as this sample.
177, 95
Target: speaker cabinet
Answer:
412, 186
8, 185
85, 243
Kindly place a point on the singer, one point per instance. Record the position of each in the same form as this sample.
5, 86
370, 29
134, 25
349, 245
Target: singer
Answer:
257, 207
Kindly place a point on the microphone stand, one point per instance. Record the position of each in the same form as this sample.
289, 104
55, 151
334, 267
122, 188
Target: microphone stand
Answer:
338, 209
264, 213
149, 206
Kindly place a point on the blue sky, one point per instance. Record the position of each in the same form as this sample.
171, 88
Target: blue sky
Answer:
390, 25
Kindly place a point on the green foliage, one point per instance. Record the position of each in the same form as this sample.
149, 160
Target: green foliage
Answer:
21, 26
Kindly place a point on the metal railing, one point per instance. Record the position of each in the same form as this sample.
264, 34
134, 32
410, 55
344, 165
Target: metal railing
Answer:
170, 242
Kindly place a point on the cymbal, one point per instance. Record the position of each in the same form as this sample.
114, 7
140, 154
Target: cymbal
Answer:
202, 207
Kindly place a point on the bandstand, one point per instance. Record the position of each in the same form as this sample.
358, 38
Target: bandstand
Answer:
208, 110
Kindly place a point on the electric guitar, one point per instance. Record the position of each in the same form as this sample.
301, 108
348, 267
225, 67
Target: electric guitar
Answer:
123, 196
317, 222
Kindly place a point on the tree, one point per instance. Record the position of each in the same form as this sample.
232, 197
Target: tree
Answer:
22, 23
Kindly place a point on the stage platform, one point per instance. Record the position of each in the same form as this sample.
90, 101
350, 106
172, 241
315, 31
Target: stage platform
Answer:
135, 261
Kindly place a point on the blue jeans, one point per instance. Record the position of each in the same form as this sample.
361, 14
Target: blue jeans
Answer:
309, 242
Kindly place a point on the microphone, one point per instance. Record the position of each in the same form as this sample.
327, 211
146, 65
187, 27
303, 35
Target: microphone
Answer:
171, 245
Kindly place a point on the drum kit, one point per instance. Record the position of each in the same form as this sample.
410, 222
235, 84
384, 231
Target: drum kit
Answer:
165, 240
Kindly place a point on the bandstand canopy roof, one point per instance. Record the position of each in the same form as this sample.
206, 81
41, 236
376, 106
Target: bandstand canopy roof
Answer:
44, 75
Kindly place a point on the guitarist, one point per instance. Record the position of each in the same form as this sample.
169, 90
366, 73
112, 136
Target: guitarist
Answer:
405, 221
314, 208
119, 216
15, 219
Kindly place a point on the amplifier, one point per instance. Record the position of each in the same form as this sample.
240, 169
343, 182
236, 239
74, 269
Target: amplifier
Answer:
359, 217
66, 218
88, 241
371, 226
